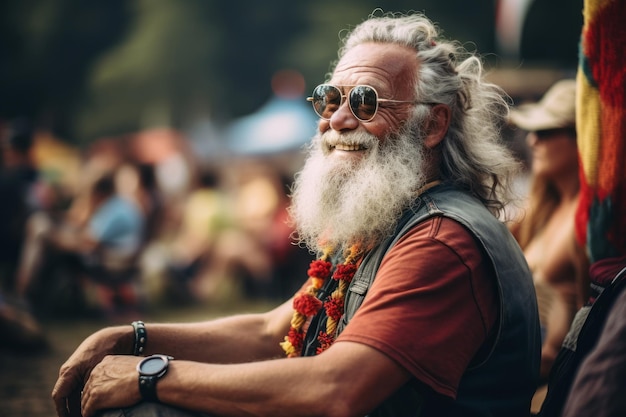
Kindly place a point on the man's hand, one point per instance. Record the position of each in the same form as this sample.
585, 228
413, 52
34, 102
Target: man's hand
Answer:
113, 383
77, 369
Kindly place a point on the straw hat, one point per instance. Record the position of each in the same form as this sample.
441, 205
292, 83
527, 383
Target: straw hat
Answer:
556, 109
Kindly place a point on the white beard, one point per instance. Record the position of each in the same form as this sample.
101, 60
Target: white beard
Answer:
337, 203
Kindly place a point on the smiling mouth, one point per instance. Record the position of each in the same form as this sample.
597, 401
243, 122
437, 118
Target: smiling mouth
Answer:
346, 147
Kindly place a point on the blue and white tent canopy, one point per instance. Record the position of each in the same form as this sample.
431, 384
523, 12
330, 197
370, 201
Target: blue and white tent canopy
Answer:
281, 125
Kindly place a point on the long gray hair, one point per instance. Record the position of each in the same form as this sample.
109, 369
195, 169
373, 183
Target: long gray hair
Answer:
473, 155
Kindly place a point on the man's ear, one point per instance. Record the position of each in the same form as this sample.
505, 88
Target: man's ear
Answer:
436, 125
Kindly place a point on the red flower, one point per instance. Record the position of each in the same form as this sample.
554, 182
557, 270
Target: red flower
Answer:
296, 338
319, 269
345, 272
325, 341
307, 304
334, 308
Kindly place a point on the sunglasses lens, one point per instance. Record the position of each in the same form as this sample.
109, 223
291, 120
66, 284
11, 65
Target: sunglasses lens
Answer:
364, 102
326, 100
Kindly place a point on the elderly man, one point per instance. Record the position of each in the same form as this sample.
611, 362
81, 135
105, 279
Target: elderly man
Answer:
421, 302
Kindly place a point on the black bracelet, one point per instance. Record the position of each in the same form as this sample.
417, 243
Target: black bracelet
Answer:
141, 337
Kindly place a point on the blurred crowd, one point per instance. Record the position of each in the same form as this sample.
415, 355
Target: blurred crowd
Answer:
139, 222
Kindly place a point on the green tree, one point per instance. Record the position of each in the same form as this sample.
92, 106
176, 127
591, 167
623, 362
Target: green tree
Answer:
87, 69
163, 67
46, 49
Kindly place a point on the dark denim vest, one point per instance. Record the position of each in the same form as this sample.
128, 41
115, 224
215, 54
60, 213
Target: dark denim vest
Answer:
503, 381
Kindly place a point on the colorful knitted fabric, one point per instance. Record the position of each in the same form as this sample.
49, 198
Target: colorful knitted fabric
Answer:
601, 124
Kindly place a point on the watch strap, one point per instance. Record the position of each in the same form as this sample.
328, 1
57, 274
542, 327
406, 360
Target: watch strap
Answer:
147, 387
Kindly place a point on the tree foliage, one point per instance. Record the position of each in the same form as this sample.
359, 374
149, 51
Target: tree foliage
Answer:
86, 69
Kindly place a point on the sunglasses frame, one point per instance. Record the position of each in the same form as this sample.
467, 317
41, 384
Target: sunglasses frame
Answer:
345, 97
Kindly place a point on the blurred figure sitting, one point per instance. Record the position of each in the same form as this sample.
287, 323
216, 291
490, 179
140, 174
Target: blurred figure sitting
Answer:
238, 243
22, 192
256, 252
546, 229
188, 257
104, 246
138, 182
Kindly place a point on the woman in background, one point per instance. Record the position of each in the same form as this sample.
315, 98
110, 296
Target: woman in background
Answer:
545, 230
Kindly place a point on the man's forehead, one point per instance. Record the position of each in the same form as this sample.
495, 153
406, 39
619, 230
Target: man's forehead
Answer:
373, 54
378, 60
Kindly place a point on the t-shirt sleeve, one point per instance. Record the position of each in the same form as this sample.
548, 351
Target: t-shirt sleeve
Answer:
432, 304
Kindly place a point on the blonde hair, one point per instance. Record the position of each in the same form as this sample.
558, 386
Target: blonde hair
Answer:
543, 199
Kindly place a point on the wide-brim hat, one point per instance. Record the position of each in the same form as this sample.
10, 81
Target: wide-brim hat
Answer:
556, 109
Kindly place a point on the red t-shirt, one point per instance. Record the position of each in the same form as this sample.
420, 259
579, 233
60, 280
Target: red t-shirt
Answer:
432, 304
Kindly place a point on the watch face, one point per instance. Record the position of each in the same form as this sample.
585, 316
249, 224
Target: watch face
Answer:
152, 365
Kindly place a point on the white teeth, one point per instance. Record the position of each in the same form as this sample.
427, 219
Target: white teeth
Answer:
346, 147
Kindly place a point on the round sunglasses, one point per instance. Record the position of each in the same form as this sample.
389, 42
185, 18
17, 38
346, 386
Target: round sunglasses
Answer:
362, 99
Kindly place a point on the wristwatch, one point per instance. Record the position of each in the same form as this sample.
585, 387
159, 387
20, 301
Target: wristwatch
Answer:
151, 369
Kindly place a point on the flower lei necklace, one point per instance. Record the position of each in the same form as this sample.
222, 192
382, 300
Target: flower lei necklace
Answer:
306, 304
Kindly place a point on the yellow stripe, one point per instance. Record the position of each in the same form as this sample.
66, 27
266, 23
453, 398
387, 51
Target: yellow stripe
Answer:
588, 127
592, 7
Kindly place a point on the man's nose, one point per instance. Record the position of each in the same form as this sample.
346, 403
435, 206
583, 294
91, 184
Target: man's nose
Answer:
343, 119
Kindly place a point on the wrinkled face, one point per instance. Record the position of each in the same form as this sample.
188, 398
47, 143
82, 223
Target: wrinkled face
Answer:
391, 70
554, 153
360, 175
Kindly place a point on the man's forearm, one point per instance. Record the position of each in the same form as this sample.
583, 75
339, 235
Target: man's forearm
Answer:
236, 339
349, 379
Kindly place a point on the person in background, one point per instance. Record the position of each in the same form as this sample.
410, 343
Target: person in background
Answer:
420, 303
235, 243
23, 192
137, 182
256, 251
545, 230
110, 236
205, 215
